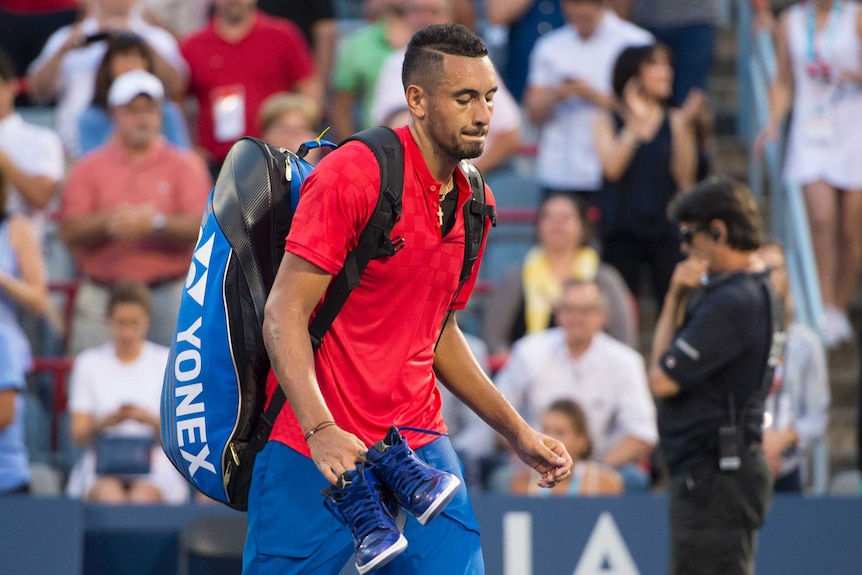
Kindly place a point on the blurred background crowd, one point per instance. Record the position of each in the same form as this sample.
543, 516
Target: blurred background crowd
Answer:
115, 117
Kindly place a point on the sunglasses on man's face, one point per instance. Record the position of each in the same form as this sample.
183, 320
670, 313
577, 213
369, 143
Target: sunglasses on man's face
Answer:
686, 233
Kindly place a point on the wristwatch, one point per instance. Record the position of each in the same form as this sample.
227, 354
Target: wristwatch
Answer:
159, 221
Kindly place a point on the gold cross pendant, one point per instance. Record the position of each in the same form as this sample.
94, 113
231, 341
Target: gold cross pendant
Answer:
439, 215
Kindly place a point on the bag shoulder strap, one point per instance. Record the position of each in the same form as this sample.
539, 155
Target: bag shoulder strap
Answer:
374, 241
475, 212
777, 340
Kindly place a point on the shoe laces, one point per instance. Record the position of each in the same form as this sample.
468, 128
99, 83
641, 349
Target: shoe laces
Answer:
404, 471
360, 506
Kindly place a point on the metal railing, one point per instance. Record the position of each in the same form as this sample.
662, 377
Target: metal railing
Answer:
787, 213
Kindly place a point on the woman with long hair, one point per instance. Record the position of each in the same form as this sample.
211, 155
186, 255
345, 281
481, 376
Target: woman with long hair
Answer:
523, 301
648, 155
819, 77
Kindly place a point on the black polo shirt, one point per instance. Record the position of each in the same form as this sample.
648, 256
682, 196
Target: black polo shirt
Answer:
721, 348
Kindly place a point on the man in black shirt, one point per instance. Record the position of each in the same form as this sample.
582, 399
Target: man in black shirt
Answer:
716, 341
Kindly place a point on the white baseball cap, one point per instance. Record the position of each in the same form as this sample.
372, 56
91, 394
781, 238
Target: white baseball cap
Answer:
128, 86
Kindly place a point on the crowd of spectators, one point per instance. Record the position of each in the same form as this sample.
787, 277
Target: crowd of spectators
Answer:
147, 97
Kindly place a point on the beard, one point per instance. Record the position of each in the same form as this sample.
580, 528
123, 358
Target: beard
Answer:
470, 150
453, 147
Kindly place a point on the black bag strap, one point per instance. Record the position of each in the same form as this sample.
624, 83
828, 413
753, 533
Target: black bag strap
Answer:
475, 212
374, 242
777, 339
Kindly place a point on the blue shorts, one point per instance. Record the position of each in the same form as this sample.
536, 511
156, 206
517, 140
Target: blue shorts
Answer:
291, 532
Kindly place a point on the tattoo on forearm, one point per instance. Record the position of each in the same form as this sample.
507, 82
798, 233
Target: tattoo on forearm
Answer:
271, 340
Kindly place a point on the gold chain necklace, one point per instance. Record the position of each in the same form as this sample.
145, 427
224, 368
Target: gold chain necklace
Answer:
444, 191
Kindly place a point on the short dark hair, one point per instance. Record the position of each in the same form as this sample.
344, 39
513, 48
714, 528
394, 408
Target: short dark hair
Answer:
7, 67
629, 62
576, 415
119, 43
131, 292
721, 198
426, 49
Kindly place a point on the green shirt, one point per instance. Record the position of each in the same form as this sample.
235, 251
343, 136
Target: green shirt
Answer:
360, 58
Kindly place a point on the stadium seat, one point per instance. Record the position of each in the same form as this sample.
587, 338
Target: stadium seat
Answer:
212, 545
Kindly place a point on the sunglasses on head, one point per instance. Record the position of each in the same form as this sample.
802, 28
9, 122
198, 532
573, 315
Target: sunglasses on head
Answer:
686, 233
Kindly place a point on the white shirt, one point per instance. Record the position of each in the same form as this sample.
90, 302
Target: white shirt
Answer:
608, 381
802, 401
78, 70
567, 158
100, 384
389, 98
37, 151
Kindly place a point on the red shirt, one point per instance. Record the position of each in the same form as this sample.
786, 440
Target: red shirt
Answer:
175, 181
37, 6
272, 58
375, 364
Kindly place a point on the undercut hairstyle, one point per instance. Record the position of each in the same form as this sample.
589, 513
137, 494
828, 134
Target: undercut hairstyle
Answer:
575, 413
423, 61
133, 292
119, 44
721, 198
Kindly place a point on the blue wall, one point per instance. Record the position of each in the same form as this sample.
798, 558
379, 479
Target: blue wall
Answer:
521, 536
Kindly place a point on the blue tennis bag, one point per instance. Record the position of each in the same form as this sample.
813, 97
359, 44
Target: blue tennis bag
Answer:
213, 421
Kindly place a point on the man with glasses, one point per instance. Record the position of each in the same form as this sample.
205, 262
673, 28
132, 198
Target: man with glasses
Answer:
578, 361
718, 337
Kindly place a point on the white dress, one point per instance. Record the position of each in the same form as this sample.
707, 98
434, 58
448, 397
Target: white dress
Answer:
825, 139
99, 385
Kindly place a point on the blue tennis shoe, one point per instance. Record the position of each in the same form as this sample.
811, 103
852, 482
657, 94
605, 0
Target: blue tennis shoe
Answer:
419, 488
359, 501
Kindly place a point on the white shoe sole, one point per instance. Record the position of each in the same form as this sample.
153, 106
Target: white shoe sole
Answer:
440, 503
385, 557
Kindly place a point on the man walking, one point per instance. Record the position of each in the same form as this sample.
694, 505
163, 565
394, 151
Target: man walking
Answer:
377, 363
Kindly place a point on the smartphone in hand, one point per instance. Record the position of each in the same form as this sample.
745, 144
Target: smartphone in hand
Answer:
97, 37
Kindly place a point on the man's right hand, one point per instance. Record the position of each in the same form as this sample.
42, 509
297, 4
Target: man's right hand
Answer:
335, 451
688, 275
546, 455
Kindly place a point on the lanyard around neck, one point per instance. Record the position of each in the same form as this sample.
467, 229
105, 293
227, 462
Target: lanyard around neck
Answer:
829, 31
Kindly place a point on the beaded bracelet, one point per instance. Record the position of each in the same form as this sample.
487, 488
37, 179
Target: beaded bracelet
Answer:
318, 427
